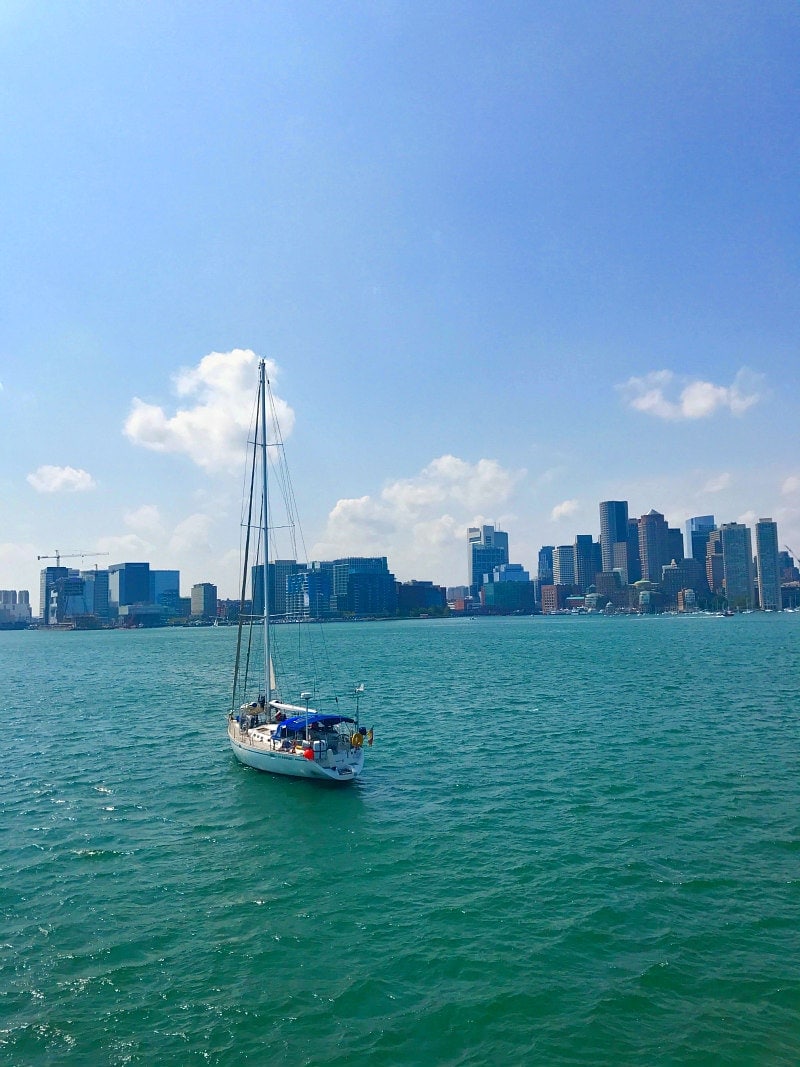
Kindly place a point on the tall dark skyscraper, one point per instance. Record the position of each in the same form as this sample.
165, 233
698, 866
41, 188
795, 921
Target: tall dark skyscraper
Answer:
653, 545
769, 575
737, 561
545, 565
613, 530
585, 567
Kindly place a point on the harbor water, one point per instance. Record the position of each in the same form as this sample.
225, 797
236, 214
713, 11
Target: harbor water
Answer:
576, 841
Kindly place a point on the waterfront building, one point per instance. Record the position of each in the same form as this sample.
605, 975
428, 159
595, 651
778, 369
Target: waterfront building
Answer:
737, 561
769, 578
653, 545
15, 608
165, 588
545, 565
715, 569
613, 530
95, 592
364, 585
585, 559
674, 544
418, 597
609, 586
48, 577
634, 559
697, 530
486, 549
687, 599
554, 598
204, 600
681, 575
564, 565
309, 593
497, 596
128, 583
279, 572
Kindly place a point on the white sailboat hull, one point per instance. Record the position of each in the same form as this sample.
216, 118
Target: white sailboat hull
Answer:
263, 757
268, 734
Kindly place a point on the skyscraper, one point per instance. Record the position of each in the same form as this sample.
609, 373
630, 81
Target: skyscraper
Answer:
715, 568
564, 565
634, 558
487, 548
613, 529
737, 562
128, 583
653, 545
204, 600
696, 538
545, 565
585, 566
769, 577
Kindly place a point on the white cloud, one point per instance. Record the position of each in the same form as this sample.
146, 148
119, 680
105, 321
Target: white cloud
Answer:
191, 534
716, 484
49, 479
146, 519
126, 548
212, 429
791, 485
668, 396
421, 523
564, 510
15, 556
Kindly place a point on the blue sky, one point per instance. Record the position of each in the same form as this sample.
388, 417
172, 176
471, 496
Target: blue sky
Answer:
508, 260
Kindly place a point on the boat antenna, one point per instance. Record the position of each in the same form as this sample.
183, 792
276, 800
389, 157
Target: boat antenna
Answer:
262, 377
359, 689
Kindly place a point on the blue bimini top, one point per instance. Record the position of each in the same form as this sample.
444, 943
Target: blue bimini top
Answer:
315, 718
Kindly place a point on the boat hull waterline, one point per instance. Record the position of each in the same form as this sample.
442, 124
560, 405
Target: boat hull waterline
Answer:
260, 754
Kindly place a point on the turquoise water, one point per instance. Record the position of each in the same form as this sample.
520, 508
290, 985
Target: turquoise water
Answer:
577, 841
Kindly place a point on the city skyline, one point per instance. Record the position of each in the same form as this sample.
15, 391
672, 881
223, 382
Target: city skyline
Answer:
505, 264
488, 551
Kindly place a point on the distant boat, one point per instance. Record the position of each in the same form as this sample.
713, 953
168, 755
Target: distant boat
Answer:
268, 733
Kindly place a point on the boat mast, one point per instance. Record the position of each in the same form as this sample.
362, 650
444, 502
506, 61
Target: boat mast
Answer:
262, 377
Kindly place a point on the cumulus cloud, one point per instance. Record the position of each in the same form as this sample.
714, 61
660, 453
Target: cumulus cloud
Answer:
50, 479
564, 510
125, 548
191, 534
210, 426
791, 485
668, 396
421, 522
146, 519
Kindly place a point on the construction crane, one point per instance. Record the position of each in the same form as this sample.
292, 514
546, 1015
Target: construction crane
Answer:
71, 555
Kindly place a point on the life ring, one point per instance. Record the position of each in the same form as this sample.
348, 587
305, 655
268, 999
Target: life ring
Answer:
356, 740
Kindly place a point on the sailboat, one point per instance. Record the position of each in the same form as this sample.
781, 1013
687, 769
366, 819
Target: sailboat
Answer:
268, 733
